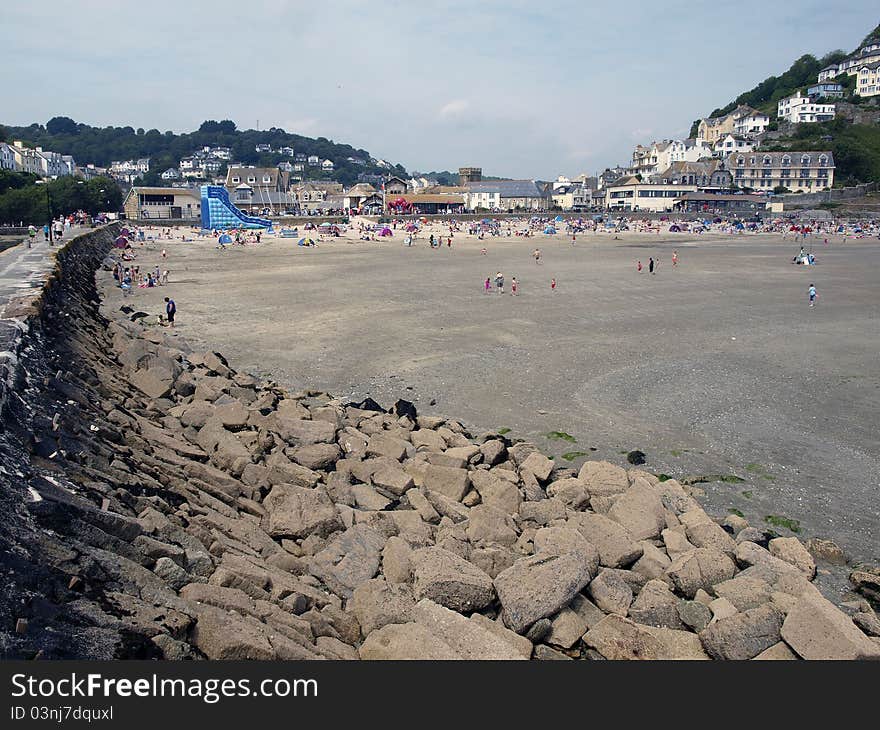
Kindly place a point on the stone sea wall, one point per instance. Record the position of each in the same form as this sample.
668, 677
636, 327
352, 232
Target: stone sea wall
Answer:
158, 504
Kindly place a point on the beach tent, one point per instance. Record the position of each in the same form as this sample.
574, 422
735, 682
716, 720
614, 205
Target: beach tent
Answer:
289, 233
305, 242
738, 225
549, 230
386, 232
225, 238
674, 228
410, 227
120, 242
559, 218
125, 232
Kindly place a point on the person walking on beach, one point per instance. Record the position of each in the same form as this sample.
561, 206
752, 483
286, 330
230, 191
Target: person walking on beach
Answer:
170, 310
674, 259
537, 255
487, 286
513, 286
499, 282
812, 294
639, 266
651, 265
552, 284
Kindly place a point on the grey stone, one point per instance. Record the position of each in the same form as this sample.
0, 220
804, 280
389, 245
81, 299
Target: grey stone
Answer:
449, 580
540, 585
743, 635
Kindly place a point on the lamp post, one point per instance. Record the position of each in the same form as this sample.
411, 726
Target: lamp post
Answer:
48, 209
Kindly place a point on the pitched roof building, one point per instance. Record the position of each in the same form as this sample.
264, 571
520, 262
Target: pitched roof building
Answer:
796, 171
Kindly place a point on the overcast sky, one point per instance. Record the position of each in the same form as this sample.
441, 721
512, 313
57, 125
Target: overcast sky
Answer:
523, 89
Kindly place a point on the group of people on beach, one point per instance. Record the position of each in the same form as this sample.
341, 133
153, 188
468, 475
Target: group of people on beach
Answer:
654, 264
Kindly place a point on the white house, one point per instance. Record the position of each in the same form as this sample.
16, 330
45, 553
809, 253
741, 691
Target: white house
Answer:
629, 194
751, 125
7, 157
327, 165
314, 160
27, 159
799, 109
728, 144
142, 164
187, 163
868, 80
172, 173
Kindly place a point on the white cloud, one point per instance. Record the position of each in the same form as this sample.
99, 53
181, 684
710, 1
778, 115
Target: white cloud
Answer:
454, 108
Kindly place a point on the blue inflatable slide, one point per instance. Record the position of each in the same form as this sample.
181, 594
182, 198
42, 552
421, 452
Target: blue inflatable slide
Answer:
218, 212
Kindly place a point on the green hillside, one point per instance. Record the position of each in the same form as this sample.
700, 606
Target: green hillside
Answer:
856, 147
101, 145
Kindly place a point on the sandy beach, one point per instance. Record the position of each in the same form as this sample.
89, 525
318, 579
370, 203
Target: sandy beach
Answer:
714, 368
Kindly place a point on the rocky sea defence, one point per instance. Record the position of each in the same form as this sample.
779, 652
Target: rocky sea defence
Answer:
158, 504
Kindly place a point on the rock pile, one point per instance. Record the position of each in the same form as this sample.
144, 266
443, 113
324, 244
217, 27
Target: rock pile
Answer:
195, 511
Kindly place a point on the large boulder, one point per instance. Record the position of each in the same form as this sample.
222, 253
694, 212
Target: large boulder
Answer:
540, 585
405, 641
496, 492
792, 551
656, 605
219, 634
640, 511
489, 525
603, 478
611, 593
451, 482
297, 512
743, 635
476, 638
816, 629
319, 457
700, 568
450, 580
615, 637
301, 432
349, 559
616, 546
377, 603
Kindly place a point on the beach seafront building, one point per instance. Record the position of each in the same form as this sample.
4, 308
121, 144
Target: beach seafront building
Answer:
631, 194
156, 204
794, 171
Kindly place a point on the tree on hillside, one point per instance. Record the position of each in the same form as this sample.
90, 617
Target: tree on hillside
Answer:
211, 126
61, 125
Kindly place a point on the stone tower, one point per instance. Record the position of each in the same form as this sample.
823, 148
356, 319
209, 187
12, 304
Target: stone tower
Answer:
469, 174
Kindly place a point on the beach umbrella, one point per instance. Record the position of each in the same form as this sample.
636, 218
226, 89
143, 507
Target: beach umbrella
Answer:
225, 238
325, 224
125, 232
